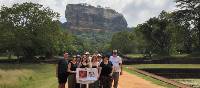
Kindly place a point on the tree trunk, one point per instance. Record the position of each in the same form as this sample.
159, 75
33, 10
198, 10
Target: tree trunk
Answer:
28, 54
198, 28
49, 55
9, 54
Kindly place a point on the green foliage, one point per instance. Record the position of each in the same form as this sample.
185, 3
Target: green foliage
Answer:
162, 35
169, 33
189, 15
71, 43
95, 41
156, 34
151, 36
29, 29
123, 41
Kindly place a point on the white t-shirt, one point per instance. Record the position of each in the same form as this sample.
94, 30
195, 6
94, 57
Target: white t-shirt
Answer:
116, 61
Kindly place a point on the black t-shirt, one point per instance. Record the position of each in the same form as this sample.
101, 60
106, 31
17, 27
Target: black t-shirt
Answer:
106, 68
94, 66
62, 66
73, 66
83, 66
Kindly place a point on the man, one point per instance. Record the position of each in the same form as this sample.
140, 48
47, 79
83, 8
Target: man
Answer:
61, 71
117, 64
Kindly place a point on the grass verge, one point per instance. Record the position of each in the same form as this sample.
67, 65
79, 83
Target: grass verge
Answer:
27, 76
144, 66
6, 57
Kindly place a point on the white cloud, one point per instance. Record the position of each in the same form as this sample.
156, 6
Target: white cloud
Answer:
135, 11
139, 12
159, 2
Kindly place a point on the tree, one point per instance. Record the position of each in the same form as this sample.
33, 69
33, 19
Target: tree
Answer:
156, 34
189, 14
123, 41
29, 29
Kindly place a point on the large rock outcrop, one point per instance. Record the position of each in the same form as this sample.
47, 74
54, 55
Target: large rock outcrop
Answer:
84, 17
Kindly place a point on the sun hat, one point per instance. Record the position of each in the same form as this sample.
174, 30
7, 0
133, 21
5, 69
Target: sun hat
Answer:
74, 56
98, 55
87, 53
114, 51
78, 56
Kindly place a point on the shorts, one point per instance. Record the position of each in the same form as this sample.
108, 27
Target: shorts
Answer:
62, 78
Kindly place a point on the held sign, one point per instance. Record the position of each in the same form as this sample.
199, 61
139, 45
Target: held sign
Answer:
86, 75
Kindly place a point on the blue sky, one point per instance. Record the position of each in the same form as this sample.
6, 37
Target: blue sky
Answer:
134, 11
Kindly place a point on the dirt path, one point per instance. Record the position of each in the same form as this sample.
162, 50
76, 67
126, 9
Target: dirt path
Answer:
128, 80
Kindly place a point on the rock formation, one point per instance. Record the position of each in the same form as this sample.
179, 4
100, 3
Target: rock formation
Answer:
85, 17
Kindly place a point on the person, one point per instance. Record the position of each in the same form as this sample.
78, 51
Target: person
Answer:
117, 64
106, 73
83, 64
61, 71
95, 64
78, 58
72, 70
87, 55
99, 58
65, 55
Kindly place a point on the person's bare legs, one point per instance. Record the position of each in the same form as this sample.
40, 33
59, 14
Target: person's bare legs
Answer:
61, 85
115, 79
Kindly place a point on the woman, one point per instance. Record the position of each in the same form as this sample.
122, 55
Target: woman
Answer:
72, 70
78, 59
95, 64
83, 64
106, 73
99, 58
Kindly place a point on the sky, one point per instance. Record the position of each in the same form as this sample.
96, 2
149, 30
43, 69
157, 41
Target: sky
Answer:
134, 11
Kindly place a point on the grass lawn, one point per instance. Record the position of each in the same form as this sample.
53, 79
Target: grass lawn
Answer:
181, 55
135, 55
192, 82
141, 66
27, 76
6, 57
148, 78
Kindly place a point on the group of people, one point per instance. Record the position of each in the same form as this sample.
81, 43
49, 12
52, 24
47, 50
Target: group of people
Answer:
109, 69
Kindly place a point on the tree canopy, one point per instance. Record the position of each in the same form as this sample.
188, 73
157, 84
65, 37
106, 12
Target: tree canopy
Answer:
30, 29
